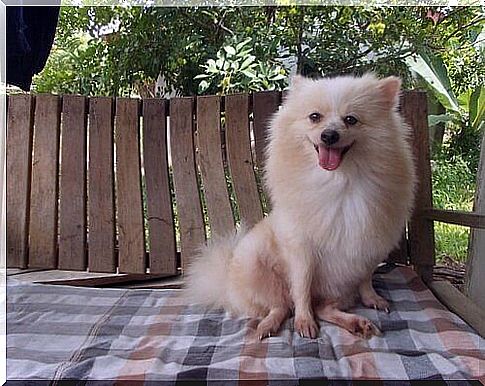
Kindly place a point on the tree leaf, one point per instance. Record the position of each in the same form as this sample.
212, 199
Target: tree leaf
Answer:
204, 85
440, 118
242, 44
278, 77
250, 59
244, 53
477, 107
230, 50
432, 69
249, 73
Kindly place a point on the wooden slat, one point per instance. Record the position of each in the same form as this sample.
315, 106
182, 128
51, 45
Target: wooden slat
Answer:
131, 238
460, 304
468, 219
100, 280
53, 275
240, 160
211, 164
163, 250
72, 187
475, 265
421, 230
265, 104
21, 271
19, 162
101, 218
43, 198
189, 210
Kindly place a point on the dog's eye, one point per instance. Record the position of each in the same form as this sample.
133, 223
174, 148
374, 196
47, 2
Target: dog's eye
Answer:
315, 117
350, 120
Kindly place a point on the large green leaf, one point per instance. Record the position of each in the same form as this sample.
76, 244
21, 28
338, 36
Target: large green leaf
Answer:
477, 107
464, 99
440, 118
432, 69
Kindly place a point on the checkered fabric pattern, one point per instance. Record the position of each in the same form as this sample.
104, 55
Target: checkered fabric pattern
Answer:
59, 332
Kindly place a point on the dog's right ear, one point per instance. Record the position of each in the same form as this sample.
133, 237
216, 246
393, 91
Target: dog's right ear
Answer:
390, 89
297, 81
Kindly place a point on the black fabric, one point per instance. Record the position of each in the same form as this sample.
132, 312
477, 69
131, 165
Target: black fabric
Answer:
30, 34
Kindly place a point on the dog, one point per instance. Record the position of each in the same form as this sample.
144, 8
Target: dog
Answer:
340, 175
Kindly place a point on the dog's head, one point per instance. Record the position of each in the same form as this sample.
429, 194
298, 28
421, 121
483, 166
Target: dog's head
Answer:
336, 115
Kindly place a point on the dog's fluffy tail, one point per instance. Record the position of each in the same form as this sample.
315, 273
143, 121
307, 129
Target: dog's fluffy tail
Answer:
207, 274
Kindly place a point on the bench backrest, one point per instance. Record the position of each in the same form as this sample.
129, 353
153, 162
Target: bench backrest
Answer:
122, 185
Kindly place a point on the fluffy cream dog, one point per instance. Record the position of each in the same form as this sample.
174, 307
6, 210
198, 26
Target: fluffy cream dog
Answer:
341, 178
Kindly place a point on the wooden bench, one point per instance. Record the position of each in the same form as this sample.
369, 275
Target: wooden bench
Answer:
135, 186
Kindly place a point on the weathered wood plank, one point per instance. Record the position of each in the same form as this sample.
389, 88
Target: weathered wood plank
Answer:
54, 275
131, 237
238, 145
475, 266
211, 164
174, 282
19, 163
72, 187
163, 250
459, 304
21, 271
99, 280
265, 104
421, 230
189, 209
457, 217
43, 198
101, 218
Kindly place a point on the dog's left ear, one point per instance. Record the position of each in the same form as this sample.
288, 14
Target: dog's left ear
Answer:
298, 81
390, 88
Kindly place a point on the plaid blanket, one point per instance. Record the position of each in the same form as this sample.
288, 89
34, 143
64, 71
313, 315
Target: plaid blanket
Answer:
60, 332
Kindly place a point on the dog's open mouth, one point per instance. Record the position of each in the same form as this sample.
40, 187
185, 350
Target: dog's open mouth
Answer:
330, 158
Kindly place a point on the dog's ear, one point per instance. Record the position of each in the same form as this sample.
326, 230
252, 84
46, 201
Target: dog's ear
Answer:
297, 81
390, 88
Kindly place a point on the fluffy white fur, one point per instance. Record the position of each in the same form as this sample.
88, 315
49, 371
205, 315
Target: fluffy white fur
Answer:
327, 230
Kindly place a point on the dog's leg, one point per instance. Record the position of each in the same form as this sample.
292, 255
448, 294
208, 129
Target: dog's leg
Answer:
370, 298
356, 324
300, 277
272, 322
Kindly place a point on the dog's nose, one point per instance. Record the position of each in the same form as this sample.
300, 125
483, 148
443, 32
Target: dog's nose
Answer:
329, 137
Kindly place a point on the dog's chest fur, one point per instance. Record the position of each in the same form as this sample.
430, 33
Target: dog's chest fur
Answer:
349, 229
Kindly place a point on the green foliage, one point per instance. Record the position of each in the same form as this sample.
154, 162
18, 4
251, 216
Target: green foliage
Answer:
79, 66
468, 109
132, 46
453, 182
464, 103
454, 189
236, 69
451, 241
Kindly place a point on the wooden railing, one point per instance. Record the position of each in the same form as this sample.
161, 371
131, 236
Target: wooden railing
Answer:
122, 185
106, 184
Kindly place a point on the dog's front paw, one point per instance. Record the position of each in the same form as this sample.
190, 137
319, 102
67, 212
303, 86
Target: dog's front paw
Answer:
306, 326
267, 328
363, 327
375, 301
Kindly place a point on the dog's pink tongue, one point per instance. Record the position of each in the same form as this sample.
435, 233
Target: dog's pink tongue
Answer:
329, 158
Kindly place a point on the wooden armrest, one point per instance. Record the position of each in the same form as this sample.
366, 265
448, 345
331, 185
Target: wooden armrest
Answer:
459, 304
469, 219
